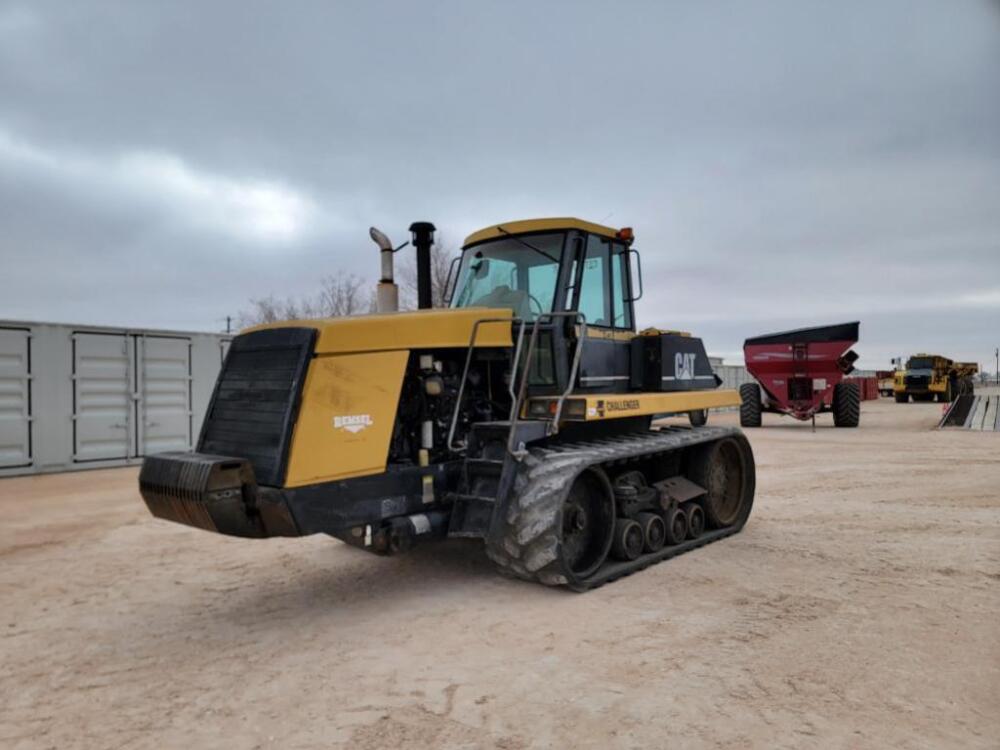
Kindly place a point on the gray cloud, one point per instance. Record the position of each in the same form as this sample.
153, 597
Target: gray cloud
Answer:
782, 164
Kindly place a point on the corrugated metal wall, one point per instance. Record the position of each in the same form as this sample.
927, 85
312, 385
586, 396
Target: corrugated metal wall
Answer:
733, 376
76, 397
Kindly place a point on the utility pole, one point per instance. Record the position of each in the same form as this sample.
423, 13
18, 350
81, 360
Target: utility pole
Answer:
229, 324
996, 353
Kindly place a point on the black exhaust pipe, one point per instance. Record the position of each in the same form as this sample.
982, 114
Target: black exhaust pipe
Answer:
423, 238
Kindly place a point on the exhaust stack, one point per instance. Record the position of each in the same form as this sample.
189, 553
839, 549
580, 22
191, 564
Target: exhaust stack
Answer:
423, 238
387, 293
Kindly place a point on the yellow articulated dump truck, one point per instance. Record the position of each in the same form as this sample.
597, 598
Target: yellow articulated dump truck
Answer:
930, 376
521, 415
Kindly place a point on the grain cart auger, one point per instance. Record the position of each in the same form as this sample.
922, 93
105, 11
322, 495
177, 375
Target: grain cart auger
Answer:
520, 416
800, 374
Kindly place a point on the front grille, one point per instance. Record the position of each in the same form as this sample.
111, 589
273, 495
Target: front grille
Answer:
256, 399
917, 381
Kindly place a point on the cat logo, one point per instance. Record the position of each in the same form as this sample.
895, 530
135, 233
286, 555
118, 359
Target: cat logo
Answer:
684, 366
353, 423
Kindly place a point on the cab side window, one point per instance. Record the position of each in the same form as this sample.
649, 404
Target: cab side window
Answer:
619, 288
594, 283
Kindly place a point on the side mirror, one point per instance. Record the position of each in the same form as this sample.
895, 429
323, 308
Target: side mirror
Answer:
449, 283
481, 267
637, 276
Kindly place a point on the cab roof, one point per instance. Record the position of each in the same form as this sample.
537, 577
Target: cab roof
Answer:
528, 226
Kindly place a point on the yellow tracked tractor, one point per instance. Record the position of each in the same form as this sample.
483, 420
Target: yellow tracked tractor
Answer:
521, 415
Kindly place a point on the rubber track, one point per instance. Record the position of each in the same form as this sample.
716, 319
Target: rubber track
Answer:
524, 540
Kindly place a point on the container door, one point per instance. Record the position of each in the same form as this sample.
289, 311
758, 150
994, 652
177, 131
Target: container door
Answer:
15, 397
164, 406
102, 396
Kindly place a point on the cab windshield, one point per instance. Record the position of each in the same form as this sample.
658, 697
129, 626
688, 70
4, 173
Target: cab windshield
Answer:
518, 274
920, 363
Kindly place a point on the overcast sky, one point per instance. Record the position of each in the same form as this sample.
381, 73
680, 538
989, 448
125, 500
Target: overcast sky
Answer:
783, 164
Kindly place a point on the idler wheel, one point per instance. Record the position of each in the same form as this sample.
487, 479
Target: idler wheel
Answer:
587, 516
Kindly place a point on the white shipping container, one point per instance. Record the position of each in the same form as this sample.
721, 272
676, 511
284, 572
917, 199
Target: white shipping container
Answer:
78, 397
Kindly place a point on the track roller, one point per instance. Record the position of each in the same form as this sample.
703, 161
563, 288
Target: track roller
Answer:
628, 540
677, 526
654, 531
695, 519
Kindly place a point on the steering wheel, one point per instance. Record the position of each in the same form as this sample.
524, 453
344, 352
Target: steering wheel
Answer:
531, 298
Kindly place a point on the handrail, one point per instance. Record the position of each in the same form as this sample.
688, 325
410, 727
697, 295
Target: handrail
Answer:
517, 400
513, 368
571, 381
468, 362
516, 410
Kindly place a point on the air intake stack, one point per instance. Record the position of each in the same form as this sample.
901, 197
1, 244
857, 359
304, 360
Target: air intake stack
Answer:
423, 239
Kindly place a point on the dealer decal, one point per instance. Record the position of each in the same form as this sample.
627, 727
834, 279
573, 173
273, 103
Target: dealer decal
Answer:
353, 423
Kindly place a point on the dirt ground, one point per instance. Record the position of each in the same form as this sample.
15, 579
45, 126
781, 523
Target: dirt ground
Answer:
859, 608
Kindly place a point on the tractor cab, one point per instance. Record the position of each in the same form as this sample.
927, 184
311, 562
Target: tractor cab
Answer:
544, 266
572, 278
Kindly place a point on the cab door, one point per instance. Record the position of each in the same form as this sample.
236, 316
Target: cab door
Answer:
603, 294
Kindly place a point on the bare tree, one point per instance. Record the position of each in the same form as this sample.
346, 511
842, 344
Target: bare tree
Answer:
267, 310
342, 295
345, 294
441, 258
338, 296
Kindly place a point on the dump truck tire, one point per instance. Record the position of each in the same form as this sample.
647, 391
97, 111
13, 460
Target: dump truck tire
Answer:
902, 398
846, 405
750, 405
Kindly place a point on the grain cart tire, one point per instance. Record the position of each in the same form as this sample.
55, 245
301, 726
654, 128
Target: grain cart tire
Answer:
628, 540
698, 417
695, 520
725, 469
750, 405
676, 525
902, 398
846, 405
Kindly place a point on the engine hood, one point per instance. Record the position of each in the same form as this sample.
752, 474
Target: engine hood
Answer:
416, 329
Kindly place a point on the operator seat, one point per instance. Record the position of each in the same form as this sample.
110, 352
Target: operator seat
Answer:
504, 296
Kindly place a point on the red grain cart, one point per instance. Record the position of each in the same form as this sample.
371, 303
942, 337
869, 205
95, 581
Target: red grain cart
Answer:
801, 373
